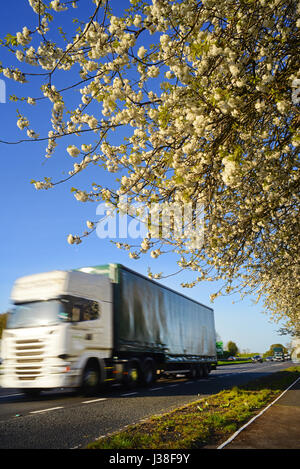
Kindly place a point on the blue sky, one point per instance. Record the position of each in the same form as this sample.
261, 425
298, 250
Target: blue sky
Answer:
35, 224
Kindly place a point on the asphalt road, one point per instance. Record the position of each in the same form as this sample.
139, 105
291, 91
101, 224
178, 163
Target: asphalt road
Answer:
64, 420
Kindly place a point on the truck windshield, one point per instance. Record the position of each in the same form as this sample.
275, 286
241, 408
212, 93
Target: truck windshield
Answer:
39, 313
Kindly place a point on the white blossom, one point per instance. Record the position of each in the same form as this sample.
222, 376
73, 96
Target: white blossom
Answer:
90, 224
141, 52
73, 150
184, 102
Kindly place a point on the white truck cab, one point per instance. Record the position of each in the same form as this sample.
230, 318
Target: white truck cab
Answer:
60, 322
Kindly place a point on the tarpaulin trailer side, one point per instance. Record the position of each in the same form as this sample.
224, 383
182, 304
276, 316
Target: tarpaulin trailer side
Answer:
150, 319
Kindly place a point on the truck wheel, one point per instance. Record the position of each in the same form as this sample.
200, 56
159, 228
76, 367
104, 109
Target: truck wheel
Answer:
199, 372
132, 374
91, 379
193, 372
149, 372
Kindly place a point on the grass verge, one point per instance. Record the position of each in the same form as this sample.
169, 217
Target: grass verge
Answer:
206, 422
233, 362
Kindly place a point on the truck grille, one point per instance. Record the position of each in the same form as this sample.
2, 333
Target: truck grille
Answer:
29, 357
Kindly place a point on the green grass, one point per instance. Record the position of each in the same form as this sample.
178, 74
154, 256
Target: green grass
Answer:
234, 362
206, 422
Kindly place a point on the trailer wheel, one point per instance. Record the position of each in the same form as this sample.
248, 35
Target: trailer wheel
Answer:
193, 372
132, 377
205, 371
149, 372
91, 379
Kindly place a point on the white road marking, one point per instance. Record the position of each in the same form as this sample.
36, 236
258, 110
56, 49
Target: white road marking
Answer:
45, 410
129, 394
255, 417
93, 400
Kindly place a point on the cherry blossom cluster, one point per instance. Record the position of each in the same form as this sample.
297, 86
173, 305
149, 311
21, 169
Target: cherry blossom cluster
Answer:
185, 101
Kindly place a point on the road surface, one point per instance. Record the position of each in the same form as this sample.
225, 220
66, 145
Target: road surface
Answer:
65, 420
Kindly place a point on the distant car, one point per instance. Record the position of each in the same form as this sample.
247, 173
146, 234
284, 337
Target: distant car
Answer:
231, 358
257, 358
269, 359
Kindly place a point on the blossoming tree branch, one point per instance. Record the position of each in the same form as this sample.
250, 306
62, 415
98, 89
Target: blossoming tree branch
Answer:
187, 102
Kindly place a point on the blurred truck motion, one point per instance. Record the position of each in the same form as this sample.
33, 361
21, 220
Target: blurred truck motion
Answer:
93, 326
295, 355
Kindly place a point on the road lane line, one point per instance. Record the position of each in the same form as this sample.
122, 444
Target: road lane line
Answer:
45, 410
94, 400
129, 394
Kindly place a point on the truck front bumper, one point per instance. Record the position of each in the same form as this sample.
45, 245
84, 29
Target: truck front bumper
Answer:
65, 379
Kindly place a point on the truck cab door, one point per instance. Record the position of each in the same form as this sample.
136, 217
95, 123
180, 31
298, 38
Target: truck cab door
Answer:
77, 332
84, 316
